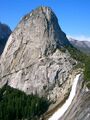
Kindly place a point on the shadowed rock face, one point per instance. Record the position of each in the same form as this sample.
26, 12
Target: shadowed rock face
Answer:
32, 61
5, 32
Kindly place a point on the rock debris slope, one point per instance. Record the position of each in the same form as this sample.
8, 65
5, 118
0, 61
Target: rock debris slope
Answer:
32, 60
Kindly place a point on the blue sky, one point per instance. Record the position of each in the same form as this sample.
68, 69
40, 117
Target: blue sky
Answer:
73, 15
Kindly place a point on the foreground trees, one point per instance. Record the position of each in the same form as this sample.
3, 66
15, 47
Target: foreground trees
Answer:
16, 105
87, 69
84, 61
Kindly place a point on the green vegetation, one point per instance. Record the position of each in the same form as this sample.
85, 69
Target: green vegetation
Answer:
84, 61
76, 54
87, 69
16, 105
88, 85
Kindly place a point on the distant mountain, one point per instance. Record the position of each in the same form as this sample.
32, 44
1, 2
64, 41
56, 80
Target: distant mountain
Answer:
83, 46
5, 32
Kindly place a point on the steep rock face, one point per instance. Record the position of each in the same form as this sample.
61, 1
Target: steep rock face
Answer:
80, 106
5, 32
32, 60
81, 109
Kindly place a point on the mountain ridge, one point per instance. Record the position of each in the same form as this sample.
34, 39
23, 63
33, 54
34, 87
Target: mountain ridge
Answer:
5, 32
83, 46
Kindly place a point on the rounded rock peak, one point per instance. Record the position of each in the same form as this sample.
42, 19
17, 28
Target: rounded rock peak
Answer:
40, 34
44, 8
46, 11
44, 23
5, 28
31, 60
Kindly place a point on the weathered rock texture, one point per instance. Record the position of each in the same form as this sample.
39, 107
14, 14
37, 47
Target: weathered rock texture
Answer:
32, 60
80, 107
80, 110
5, 32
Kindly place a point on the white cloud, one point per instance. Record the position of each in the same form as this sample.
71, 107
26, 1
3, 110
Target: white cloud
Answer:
81, 37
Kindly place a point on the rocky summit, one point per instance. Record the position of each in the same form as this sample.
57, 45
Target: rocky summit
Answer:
32, 60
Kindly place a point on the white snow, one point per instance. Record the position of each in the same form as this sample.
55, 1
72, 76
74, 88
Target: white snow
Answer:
58, 114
